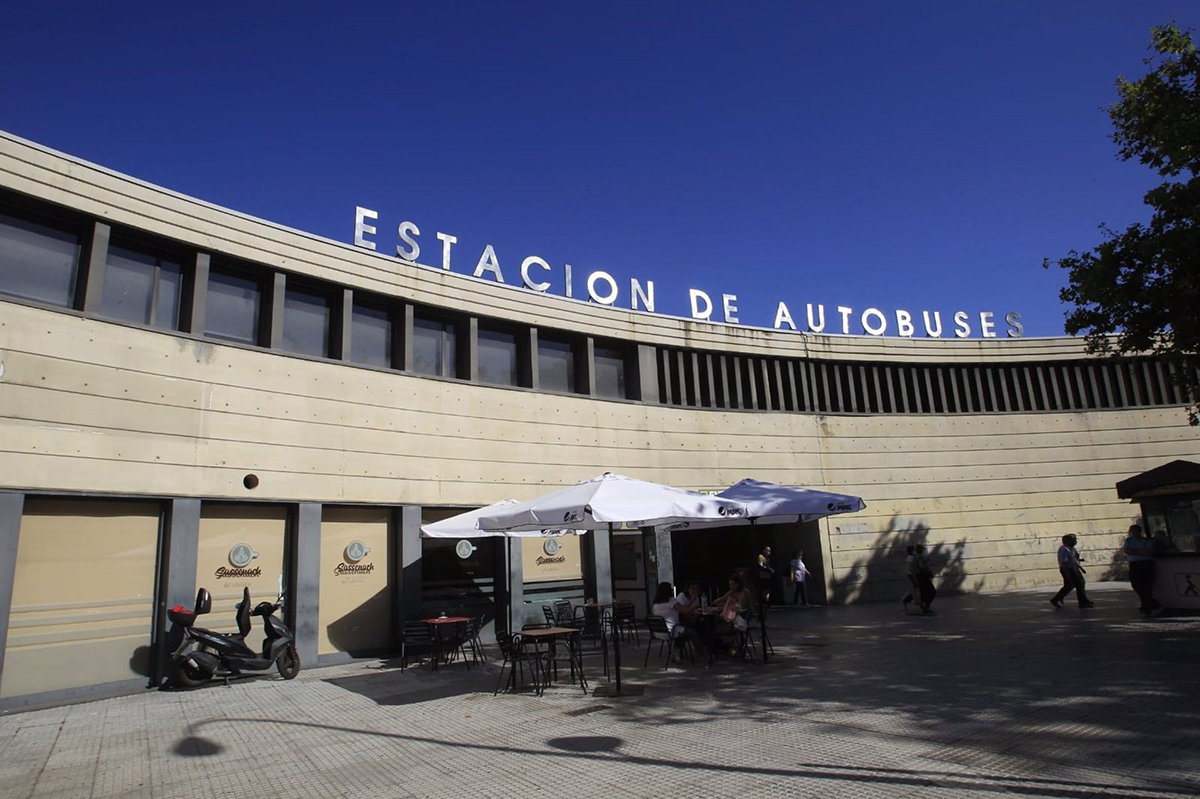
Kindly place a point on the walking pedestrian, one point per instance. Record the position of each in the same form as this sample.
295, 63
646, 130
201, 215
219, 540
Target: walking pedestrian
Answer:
1072, 572
913, 589
924, 576
1139, 550
799, 575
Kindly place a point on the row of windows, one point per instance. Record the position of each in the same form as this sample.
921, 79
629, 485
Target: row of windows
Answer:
698, 379
53, 258
115, 274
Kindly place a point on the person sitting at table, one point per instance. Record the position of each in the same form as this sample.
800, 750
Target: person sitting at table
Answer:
664, 605
688, 601
734, 604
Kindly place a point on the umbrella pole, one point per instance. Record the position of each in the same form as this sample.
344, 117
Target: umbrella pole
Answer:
613, 618
617, 690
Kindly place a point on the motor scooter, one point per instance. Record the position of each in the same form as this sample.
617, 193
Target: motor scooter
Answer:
203, 654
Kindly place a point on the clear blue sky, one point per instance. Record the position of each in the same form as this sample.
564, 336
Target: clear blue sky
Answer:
924, 156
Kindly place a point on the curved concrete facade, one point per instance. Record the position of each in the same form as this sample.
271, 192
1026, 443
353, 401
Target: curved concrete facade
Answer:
93, 406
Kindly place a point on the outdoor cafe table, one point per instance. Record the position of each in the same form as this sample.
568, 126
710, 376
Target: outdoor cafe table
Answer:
435, 625
551, 634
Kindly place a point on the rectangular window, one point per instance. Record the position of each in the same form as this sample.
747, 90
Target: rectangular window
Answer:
38, 262
556, 366
498, 357
610, 373
306, 319
142, 288
234, 308
371, 336
434, 347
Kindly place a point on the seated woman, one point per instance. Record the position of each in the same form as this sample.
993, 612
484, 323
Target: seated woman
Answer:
733, 606
664, 605
688, 601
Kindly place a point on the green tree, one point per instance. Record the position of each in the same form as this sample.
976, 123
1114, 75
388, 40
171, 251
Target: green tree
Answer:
1139, 291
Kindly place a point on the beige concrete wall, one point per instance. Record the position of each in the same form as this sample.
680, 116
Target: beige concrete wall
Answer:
94, 406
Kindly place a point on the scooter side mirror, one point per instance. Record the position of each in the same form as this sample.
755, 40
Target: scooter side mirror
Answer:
203, 601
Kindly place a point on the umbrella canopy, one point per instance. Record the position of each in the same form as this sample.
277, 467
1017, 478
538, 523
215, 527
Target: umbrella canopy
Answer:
465, 525
609, 500
765, 501
771, 503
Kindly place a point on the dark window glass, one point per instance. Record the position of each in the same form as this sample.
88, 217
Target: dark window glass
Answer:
233, 310
556, 366
497, 357
610, 373
371, 336
142, 288
38, 262
306, 317
434, 344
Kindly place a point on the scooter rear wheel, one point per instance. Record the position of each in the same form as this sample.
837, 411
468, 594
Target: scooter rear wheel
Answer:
288, 663
188, 676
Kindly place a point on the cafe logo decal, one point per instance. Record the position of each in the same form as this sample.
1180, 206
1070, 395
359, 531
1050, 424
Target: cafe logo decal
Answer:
354, 553
551, 546
464, 549
239, 557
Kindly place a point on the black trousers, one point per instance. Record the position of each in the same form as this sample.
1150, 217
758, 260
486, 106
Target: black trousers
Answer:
1072, 581
927, 591
1141, 577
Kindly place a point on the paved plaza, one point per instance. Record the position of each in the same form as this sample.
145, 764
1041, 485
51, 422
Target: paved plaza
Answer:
997, 694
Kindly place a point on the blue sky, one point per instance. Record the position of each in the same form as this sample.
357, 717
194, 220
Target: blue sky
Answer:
918, 156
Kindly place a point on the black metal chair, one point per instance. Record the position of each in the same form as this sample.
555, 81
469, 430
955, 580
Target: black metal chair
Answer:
564, 613
593, 637
656, 627
625, 620
451, 639
548, 613
415, 637
512, 649
550, 655
473, 640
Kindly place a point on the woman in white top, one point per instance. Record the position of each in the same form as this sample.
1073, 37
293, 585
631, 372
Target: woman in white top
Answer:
665, 606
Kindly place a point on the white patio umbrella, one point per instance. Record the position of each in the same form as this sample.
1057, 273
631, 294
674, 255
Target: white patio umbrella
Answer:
766, 501
605, 502
608, 501
771, 503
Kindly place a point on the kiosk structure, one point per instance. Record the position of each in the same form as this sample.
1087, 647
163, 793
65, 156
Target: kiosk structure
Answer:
1169, 496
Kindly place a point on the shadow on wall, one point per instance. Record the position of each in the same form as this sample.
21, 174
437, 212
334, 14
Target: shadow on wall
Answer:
881, 575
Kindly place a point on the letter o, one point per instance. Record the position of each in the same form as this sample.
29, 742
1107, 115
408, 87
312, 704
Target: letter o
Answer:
596, 277
878, 314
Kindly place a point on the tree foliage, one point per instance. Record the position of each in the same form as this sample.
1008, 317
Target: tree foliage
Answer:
1139, 290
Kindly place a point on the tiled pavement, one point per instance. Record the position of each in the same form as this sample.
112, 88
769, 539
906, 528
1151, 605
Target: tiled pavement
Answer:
995, 695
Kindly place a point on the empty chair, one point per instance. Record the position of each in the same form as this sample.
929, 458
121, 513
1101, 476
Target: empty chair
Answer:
415, 638
473, 640
564, 613
516, 659
625, 620
593, 637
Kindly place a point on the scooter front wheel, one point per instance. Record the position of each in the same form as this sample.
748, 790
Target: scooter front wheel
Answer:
288, 662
